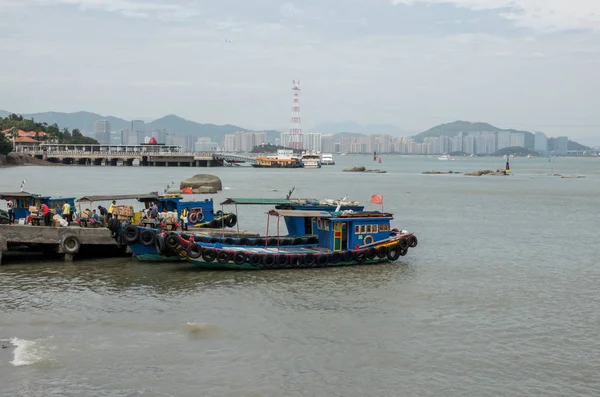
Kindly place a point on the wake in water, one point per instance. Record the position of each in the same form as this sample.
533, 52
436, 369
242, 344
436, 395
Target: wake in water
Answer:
26, 352
201, 330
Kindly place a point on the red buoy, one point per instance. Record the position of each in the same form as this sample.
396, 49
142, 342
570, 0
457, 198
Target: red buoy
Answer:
152, 141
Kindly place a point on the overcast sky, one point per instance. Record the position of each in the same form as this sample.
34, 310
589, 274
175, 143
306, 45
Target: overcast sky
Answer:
532, 64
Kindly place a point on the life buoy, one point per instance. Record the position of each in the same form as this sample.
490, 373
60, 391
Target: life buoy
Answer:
193, 217
70, 244
131, 234
199, 216
223, 257
147, 237
381, 252
239, 258
209, 255
194, 251
231, 220
360, 257
412, 241
368, 240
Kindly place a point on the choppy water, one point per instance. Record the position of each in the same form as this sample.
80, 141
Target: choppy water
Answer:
500, 298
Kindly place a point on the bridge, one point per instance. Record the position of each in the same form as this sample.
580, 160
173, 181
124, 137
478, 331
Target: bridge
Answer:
130, 155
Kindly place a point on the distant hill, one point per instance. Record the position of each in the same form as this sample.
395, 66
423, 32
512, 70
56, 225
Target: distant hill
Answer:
172, 123
452, 129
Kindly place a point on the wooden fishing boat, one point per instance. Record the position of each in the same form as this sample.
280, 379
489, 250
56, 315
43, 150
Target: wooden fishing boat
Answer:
342, 238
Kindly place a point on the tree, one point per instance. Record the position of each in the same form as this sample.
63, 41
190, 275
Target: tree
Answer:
5, 144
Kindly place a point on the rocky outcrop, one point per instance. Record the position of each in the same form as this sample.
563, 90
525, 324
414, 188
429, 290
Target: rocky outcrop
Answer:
363, 169
205, 190
486, 172
203, 181
17, 159
439, 172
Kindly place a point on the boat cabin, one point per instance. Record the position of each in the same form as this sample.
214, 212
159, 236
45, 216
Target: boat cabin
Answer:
23, 200
298, 225
340, 231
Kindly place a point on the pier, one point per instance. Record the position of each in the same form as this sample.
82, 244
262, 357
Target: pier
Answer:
66, 241
132, 155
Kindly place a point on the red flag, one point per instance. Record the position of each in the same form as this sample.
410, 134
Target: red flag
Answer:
377, 199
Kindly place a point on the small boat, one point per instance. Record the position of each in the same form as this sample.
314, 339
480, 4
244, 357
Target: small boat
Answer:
342, 238
23, 201
283, 159
327, 159
311, 160
445, 157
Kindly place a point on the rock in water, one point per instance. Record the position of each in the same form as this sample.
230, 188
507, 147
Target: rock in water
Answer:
205, 190
202, 181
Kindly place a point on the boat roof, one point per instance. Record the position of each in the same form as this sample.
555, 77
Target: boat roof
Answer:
119, 197
22, 195
301, 213
255, 201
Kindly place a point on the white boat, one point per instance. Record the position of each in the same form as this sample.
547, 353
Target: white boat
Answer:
445, 157
310, 160
327, 159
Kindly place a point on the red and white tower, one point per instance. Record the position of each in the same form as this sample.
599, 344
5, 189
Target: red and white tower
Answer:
296, 127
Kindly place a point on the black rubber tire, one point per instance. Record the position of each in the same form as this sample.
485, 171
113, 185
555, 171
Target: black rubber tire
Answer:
347, 256
371, 253
172, 241
285, 242
361, 256
312, 240
393, 253
131, 234
239, 258
273, 242
335, 257
403, 251
231, 220
228, 240
283, 260
223, 257
298, 241
214, 240
214, 224
413, 241
194, 251
310, 259
218, 214
322, 260
403, 243
201, 239
269, 261
255, 259
296, 261
259, 242
209, 255
147, 237
71, 244
159, 244
244, 241
382, 252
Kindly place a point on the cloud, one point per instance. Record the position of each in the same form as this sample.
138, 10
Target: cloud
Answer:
545, 15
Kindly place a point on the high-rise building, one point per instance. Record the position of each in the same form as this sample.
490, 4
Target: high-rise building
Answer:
160, 134
311, 141
517, 139
561, 145
102, 131
541, 143
327, 144
503, 140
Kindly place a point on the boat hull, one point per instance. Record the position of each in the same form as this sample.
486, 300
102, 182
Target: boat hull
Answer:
150, 254
247, 266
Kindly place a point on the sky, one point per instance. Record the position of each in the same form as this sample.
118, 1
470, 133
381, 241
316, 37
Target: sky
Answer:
529, 64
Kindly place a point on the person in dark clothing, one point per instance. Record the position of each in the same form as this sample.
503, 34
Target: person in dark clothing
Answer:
47, 215
11, 212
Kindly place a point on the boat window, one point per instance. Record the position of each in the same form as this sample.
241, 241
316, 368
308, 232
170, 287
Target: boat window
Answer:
357, 229
363, 229
384, 228
374, 229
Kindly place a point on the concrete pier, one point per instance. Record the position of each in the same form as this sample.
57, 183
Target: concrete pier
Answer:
66, 241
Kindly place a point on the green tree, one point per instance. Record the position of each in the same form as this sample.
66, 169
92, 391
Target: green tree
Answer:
5, 144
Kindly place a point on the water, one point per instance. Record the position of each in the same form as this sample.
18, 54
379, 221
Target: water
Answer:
500, 298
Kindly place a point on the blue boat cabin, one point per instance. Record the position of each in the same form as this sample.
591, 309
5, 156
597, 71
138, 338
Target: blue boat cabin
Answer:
23, 200
343, 231
200, 211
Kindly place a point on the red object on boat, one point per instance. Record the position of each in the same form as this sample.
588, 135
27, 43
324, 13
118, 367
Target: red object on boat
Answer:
377, 199
187, 190
152, 141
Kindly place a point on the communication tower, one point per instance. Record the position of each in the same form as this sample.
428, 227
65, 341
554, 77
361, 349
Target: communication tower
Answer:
296, 127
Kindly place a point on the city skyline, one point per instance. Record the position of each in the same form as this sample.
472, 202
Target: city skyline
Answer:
410, 63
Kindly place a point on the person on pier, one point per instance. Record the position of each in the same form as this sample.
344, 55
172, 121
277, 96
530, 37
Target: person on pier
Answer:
111, 209
11, 212
47, 214
66, 212
184, 218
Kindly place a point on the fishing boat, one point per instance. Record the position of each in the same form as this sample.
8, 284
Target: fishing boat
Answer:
283, 159
311, 160
152, 243
327, 159
445, 157
342, 238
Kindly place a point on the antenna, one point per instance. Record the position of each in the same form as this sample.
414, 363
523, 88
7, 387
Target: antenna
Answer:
23, 184
290, 193
339, 206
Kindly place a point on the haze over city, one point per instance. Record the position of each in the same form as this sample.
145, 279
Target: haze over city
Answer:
527, 64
